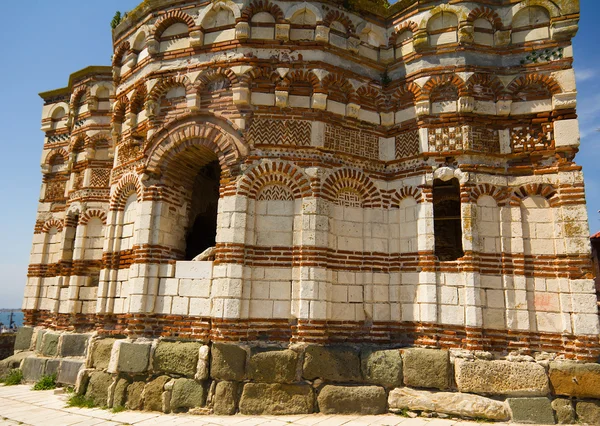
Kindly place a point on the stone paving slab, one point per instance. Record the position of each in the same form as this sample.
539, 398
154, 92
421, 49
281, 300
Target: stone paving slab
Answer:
22, 406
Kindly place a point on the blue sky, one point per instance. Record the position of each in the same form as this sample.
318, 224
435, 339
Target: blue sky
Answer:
45, 41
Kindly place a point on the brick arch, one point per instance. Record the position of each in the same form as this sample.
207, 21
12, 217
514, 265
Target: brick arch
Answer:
94, 140
77, 97
501, 195
300, 76
406, 26
165, 84
183, 134
77, 143
408, 90
126, 186
170, 18
92, 213
405, 192
342, 18
484, 12
491, 84
371, 97
57, 152
339, 85
544, 190
438, 81
262, 6
120, 53
212, 74
136, 104
120, 108
260, 73
533, 80
344, 179
274, 173
52, 223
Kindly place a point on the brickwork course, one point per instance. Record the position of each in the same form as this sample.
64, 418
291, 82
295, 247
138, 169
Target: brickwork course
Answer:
277, 173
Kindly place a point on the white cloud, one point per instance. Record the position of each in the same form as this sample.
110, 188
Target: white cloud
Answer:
584, 74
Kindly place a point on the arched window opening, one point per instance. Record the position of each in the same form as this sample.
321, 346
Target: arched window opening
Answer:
303, 25
70, 237
531, 24
202, 216
129, 217
52, 247
442, 29
447, 226
262, 26
483, 32
58, 118
216, 94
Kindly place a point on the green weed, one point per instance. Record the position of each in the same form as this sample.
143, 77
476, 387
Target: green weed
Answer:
46, 383
14, 377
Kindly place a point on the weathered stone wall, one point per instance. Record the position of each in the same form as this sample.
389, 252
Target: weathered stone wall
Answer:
184, 375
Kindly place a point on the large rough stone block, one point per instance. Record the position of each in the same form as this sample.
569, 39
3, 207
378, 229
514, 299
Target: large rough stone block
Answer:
69, 369
153, 394
276, 399
382, 367
228, 362
273, 366
338, 364
50, 344
501, 378
453, 403
188, 393
426, 368
23, 340
13, 362
176, 357
565, 413
52, 366
580, 380
135, 392
101, 353
120, 393
33, 369
97, 388
352, 400
588, 412
225, 399
39, 338
129, 357
531, 410
74, 345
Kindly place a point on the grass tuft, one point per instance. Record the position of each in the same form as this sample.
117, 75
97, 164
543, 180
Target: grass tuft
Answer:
46, 383
14, 377
118, 409
80, 401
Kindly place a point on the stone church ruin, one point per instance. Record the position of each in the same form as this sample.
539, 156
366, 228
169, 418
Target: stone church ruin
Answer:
269, 207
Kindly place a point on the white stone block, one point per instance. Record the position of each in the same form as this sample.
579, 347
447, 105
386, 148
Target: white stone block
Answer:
194, 287
566, 133
195, 270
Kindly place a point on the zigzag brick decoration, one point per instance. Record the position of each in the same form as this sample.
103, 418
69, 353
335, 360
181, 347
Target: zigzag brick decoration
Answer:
407, 144
279, 132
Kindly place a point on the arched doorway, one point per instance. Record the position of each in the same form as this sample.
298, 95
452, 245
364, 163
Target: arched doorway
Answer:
202, 216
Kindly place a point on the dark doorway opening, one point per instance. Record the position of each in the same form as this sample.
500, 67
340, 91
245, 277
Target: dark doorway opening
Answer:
447, 225
202, 219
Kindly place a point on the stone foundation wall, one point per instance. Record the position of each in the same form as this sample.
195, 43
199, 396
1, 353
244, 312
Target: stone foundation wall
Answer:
176, 376
7, 341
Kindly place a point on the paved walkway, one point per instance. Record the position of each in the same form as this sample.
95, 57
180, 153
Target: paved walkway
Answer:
19, 405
